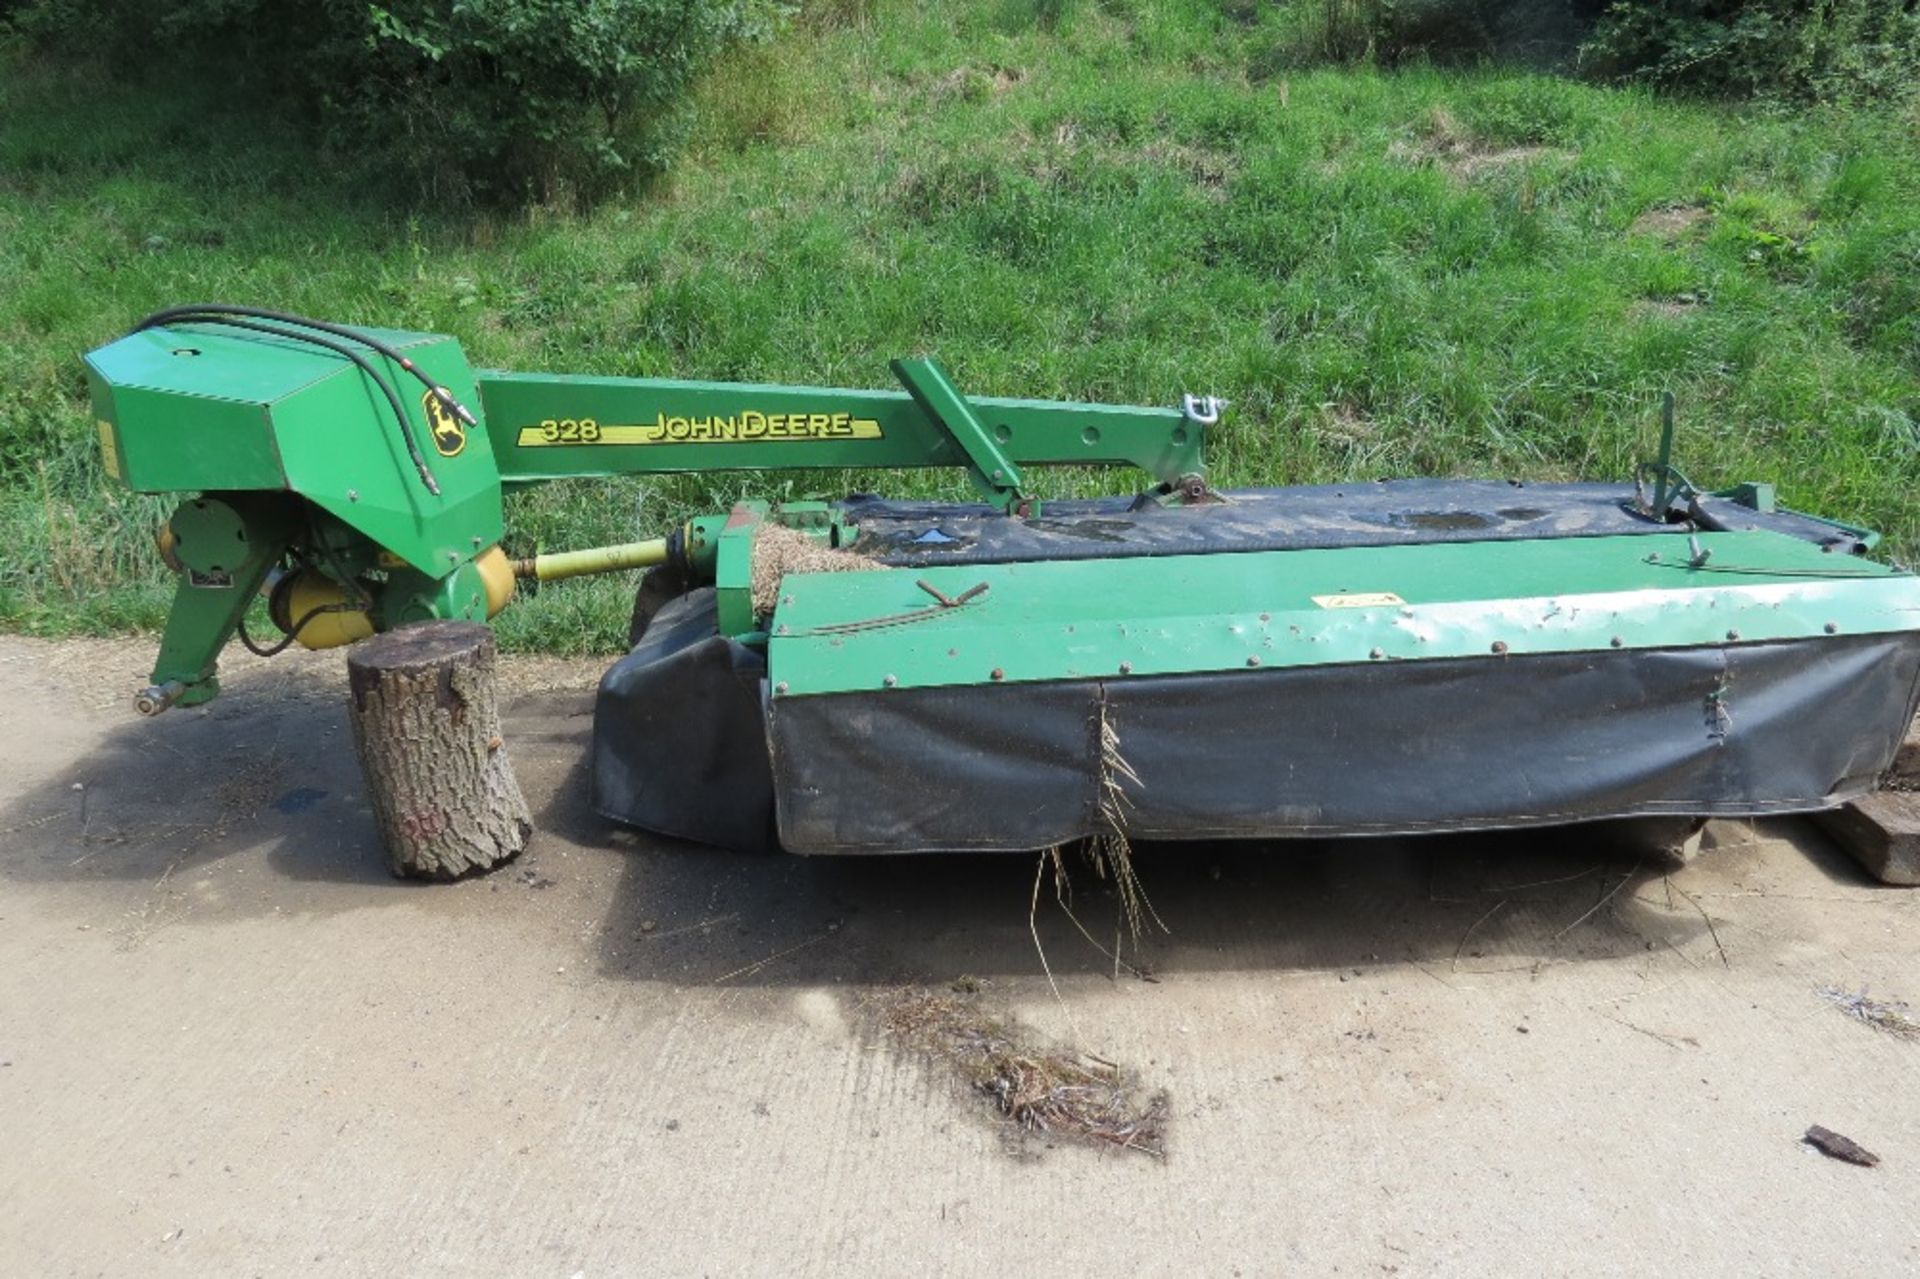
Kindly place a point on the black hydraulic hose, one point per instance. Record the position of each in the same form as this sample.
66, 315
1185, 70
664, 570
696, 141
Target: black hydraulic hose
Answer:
189, 316
275, 649
393, 353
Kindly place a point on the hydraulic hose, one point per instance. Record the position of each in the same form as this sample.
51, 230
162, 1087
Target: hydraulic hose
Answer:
244, 317
359, 361
441, 393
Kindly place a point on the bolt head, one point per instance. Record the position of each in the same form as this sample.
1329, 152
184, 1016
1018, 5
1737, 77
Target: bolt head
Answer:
1253, 660
781, 687
1617, 642
997, 673
1832, 628
1126, 668
353, 495
1733, 635
1499, 646
891, 680
1377, 654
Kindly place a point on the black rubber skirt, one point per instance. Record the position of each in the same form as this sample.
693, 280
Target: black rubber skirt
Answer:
686, 743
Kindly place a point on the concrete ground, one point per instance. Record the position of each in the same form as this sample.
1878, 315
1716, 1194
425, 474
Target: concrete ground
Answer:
231, 1044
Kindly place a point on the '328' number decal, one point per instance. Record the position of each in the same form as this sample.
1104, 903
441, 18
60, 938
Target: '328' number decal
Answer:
568, 430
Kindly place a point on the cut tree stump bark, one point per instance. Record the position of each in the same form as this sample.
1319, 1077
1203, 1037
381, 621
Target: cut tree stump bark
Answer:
426, 725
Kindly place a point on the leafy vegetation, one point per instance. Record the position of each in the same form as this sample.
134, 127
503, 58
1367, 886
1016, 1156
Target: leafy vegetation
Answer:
1780, 50
450, 99
1433, 271
1837, 51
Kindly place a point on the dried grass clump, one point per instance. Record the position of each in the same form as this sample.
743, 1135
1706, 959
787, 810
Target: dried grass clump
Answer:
1110, 852
779, 550
1463, 156
1889, 1015
1063, 1093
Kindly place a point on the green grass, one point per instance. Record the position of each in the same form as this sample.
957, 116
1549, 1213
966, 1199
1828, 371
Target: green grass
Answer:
1422, 272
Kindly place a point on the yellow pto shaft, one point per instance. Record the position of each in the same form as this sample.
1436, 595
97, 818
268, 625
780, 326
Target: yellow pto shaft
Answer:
596, 559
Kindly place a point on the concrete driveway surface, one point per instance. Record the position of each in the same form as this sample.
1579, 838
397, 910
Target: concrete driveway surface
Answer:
231, 1044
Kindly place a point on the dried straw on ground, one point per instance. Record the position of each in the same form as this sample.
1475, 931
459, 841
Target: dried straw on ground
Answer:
1062, 1093
1889, 1015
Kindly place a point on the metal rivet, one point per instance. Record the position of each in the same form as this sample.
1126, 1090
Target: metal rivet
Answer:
1733, 635
997, 673
781, 687
1266, 617
1377, 654
1126, 668
453, 557
1617, 642
1499, 646
353, 495
781, 629
1254, 660
786, 599
890, 681
476, 541
1833, 628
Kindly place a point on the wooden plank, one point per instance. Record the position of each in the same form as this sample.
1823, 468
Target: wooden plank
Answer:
1905, 773
1880, 831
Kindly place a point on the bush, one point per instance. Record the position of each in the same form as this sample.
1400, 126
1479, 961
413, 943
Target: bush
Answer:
497, 99
1839, 50
1396, 31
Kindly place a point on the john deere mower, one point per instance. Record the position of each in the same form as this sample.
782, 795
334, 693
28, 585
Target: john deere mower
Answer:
871, 675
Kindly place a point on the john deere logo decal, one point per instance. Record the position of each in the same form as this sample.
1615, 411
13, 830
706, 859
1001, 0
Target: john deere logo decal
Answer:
449, 433
745, 426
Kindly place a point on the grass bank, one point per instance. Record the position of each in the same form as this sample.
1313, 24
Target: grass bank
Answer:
1421, 272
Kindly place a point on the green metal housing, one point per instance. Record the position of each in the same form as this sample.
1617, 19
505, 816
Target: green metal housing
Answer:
1176, 615
193, 410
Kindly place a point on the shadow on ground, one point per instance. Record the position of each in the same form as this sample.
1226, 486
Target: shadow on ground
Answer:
1457, 906
262, 772
264, 780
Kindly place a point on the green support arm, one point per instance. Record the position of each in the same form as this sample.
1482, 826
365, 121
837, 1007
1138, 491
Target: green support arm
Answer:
225, 547
995, 474
551, 426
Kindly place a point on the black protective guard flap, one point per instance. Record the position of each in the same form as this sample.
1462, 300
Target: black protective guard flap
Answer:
1379, 748
679, 740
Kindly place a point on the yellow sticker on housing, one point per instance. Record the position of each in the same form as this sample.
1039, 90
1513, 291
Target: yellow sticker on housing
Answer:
748, 427
448, 432
109, 451
1377, 599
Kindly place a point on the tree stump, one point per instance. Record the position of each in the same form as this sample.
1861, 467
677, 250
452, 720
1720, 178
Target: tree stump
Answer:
426, 726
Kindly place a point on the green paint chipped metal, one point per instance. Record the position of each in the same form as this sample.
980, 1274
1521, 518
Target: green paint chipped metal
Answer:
1162, 615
